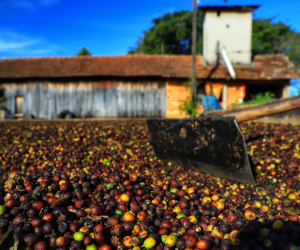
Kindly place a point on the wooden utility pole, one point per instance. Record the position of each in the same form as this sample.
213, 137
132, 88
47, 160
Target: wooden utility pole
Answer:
194, 52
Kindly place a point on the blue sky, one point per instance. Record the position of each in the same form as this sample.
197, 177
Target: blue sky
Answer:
34, 28
40, 28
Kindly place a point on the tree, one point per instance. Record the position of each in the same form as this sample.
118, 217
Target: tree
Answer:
272, 38
171, 34
84, 52
294, 49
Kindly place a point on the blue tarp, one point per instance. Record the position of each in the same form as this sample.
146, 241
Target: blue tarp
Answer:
210, 102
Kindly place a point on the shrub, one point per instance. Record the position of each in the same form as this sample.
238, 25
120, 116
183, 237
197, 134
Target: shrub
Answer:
189, 107
260, 98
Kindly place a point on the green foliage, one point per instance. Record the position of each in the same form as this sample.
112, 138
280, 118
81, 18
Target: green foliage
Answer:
260, 98
269, 38
171, 34
84, 52
272, 38
189, 107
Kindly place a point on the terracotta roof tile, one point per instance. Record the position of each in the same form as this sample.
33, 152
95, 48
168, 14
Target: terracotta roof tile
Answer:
169, 66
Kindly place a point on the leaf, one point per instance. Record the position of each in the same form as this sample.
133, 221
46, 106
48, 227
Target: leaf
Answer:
60, 201
9, 181
4, 236
97, 218
10, 241
29, 135
292, 211
238, 210
17, 240
37, 190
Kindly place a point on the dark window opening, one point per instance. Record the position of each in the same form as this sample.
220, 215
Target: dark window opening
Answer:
221, 97
201, 91
254, 89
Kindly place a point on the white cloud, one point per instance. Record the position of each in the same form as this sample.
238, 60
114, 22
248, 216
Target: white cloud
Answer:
10, 40
13, 44
9, 45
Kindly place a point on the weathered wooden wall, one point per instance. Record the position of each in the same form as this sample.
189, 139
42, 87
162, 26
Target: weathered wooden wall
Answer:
89, 99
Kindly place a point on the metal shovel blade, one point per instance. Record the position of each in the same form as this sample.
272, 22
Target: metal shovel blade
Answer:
210, 145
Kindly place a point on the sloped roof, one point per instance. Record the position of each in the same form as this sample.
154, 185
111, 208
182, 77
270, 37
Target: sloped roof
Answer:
265, 67
226, 8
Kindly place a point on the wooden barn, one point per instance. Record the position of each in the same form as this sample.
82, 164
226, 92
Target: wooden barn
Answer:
130, 85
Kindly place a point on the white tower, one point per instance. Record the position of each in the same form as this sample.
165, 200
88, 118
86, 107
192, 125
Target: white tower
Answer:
229, 28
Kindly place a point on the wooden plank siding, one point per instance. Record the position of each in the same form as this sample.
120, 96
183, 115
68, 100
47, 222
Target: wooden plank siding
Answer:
44, 99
